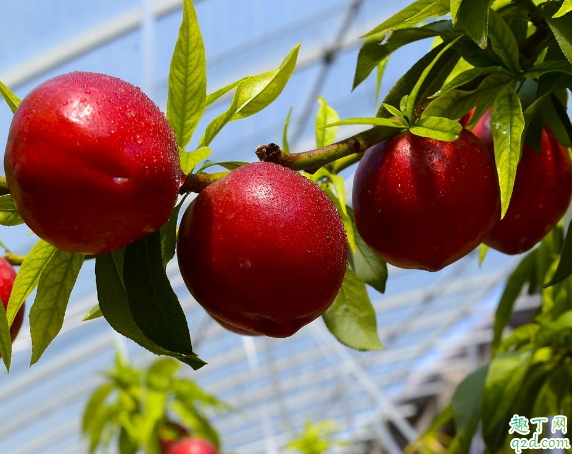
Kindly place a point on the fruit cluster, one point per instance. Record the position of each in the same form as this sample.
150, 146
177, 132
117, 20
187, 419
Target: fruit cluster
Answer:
92, 166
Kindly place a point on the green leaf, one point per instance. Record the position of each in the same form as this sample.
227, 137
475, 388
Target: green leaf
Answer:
253, 94
190, 159
473, 17
564, 9
94, 313
412, 100
54, 290
483, 249
154, 304
506, 374
326, 115
520, 276
454, 6
564, 269
454, 104
460, 79
222, 91
94, 404
351, 318
374, 121
117, 311
395, 112
11, 99
5, 339
378, 78
433, 82
545, 67
438, 128
285, 145
168, 234
466, 402
503, 42
9, 215
28, 276
507, 126
373, 53
416, 12
186, 101
561, 28
368, 266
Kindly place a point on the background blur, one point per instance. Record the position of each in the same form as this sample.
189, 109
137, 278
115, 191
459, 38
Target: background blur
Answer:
435, 326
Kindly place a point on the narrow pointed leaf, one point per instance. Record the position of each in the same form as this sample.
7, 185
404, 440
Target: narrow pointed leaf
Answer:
483, 249
93, 314
368, 266
11, 99
503, 41
467, 402
561, 28
395, 112
285, 144
454, 6
456, 103
5, 339
222, 91
564, 9
54, 289
326, 115
351, 318
438, 128
379, 77
28, 276
94, 404
253, 94
374, 51
514, 285
190, 159
115, 306
154, 304
507, 126
9, 215
186, 101
506, 373
564, 269
412, 100
420, 10
473, 17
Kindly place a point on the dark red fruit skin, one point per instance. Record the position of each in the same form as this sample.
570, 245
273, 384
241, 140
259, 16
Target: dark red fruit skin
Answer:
91, 163
424, 203
192, 446
263, 250
541, 194
233, 328
7, 278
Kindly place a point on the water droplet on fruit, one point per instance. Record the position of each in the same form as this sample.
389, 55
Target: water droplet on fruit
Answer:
82, 99
87, 92
244, 264
229, 215
139, 139
119, 180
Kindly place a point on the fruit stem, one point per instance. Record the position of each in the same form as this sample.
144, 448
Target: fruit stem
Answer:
4, 186
312, 160
14, 259
196, 182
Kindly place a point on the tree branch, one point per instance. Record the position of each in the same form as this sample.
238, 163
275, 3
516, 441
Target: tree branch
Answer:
312, 160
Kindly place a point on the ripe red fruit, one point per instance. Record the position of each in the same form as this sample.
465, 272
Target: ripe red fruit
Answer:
425, 203
233, 328
192, 446
7, 278
91, 163
263, 250
541, 194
